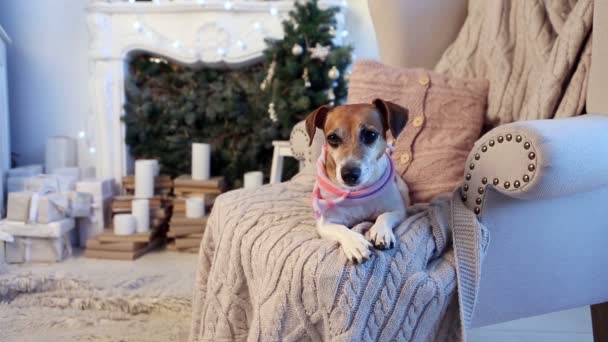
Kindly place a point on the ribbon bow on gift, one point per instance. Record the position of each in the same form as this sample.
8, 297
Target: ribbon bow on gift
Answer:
60, 202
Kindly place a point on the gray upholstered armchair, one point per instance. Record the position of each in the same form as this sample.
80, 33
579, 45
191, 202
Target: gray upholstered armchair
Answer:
540, 187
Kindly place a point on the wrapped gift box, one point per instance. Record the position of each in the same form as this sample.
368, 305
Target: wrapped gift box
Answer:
80, 204
38, 242
68, 177
30, 249
42, 183
102, 192
46, 208
18, 206
16, 177
15, 184
50, 207
25, 171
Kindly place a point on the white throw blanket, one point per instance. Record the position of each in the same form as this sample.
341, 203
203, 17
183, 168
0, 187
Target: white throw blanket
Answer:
265, 275
535, 53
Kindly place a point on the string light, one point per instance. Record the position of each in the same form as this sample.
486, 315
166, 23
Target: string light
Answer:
200, 2
177, 44
274, 11
92, 150
241, 44
344, 3
82, 134
228, 5
137, 26
221, 52
257, 26
344, 33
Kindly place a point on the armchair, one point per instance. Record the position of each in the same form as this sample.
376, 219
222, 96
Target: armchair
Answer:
264, 272
546, 215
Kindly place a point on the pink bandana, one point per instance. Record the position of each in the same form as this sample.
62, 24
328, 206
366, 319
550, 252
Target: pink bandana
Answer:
326, 195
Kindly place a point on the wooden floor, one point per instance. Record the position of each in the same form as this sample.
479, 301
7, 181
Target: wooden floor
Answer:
565, 326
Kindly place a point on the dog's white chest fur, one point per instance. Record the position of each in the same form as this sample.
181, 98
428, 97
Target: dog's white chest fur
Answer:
386, 211
351, 214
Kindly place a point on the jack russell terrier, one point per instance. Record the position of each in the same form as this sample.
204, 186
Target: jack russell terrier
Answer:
356, 181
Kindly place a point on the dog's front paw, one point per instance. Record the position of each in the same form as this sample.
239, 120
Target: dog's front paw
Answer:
356, 247
381, 236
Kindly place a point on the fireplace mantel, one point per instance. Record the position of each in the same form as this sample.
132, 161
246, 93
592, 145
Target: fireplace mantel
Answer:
207, 33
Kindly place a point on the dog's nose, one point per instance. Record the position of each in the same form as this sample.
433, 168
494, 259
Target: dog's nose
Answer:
350, 174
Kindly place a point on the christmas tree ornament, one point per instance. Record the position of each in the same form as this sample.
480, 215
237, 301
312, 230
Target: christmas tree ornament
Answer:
269, 76
319, 52
332, 31
305, 78
297, 49
347, 76
333, 73
272, 114
330, 94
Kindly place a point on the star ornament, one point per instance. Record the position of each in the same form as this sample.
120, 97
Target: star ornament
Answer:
319, 51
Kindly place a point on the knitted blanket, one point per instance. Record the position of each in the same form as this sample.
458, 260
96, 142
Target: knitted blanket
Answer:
535, 53
264, 274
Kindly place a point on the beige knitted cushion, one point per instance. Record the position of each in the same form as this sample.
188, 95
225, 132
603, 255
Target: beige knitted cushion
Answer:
446, 115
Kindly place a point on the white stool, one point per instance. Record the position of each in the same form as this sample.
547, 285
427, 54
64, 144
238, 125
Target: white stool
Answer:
282, 149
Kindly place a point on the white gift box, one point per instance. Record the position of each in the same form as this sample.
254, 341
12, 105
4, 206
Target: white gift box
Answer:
15, 184
18, 206
37, 242
102, 192
81, 204
30, 249
43, 183
49, 208
103, 188
25, 171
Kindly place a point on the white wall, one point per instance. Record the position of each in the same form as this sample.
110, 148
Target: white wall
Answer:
47, 72
361, 31
48, 68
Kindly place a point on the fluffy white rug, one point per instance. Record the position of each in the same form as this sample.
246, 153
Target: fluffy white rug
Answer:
84, 299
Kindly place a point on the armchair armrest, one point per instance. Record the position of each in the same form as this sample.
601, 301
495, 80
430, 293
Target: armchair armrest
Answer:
539, 159
548, 232
302, 150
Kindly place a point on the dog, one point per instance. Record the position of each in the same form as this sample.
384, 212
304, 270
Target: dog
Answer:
356, 181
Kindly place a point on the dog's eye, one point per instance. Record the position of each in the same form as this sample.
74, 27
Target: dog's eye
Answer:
368, 136
333, 139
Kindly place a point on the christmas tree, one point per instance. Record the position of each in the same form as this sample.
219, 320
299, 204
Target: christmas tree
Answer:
306, 69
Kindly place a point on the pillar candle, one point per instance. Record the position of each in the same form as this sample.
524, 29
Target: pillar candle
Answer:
60, 152
156, 168
124, 224
201, 161
253, 179
195, 207
141, 210
144, 178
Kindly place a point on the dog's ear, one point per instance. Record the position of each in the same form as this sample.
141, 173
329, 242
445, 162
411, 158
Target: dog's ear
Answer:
314, 120
394, 117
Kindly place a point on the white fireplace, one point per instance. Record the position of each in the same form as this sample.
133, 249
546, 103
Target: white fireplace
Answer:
208, 33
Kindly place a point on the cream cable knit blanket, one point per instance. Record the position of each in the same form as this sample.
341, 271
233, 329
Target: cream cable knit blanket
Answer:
264, 275
535, 53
